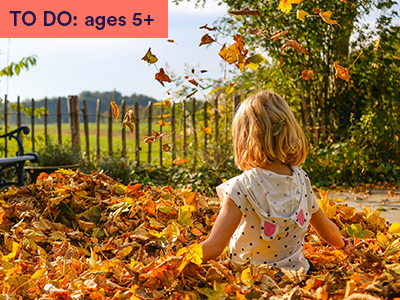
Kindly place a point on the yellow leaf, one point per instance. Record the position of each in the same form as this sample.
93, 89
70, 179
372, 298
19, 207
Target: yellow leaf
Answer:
66, 171
302, 14
124, 252
39, 273
207, 130
376, 44
11, 256
382, 239
247, 277
192, 253
395, 228
326, 16
228, 54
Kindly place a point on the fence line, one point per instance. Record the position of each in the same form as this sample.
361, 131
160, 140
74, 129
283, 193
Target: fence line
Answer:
170, 147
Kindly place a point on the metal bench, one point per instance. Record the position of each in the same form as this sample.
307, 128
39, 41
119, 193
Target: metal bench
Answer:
17, 161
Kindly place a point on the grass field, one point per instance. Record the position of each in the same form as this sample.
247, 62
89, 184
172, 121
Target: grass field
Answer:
104, 142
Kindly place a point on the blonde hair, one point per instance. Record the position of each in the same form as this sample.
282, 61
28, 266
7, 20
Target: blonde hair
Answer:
254, 143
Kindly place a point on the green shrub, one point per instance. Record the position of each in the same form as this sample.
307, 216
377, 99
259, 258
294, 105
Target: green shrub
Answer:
118, 168
59, 155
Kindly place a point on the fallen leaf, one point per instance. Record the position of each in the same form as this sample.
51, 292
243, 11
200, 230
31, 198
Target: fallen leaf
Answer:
150, 57
161, 77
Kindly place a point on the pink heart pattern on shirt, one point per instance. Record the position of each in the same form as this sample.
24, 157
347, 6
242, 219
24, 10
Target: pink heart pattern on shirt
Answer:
300, 217
269, 229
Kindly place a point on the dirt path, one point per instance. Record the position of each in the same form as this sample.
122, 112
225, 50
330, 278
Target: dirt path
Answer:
387, 200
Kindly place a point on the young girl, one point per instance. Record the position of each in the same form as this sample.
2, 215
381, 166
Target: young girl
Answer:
266, 210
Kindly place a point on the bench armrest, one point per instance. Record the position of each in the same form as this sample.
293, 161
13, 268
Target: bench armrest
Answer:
15, 135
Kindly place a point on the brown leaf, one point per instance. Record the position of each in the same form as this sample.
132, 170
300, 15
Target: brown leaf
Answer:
316, 10
245, 12
150, 57
161, 77
170, 41
295, 45
191, 94
206, 39
278, 34
208, 28
166, 147
129, 118
194, 82
307, 74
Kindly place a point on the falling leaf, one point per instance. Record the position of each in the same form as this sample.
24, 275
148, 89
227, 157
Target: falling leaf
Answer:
138, 148
193, 70
166, 147
179, 161
295, 45
239, 45
194, 82
376, 44
316, 10
129, 118
115, 110
161, 122
167, 102
191, 94
206, 39
286, 5
203, 71
302, 14
278, 34
208, 28
326, 16
245, 12
228, 54
150, 57
207, 130
161, 76
170, 41
344, 72
307, 74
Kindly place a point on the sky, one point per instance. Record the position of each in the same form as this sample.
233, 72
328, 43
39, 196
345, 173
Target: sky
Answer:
70, 66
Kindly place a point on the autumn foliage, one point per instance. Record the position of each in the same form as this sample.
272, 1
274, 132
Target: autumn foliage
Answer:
77, 236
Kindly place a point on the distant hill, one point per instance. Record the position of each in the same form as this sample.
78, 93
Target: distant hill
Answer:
91, 100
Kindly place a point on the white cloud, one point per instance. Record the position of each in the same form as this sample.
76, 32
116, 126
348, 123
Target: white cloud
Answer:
210, 8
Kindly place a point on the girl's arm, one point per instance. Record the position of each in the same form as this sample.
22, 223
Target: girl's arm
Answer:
227, 221
326, 229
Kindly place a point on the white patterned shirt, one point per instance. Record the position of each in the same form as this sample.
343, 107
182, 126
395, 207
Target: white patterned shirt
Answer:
276, 210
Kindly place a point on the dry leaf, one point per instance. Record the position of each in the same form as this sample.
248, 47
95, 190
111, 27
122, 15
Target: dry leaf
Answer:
191, 94
302, 14
245, 12
286, 5
150, 57
179, 161
228, 54
376, 44
129, 118
170, 41
344, 72
206, 39
208, 28
194, 82
326, 16
161, 77
115, 110
207, 130
276, 35
161, 122
307, 74
295, 45
166, 148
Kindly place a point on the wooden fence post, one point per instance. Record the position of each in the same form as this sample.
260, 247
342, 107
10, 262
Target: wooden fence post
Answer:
59, 121
45, 122
86, 127
184, 128
123, 131
149, 131
19, 117
73, 108
33, 123
216, 116
5, 124
98, 130
137, 134
162, 119
194, 132
205, 125
173, 131
110, 135
236, 102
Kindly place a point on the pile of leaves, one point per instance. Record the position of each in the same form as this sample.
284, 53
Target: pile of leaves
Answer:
78, 236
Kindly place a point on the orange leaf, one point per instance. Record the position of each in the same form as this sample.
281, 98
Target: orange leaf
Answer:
307, 74
166, 147
208, 28
194, 82
239, 45
326, 16
228, 54
150, 57
295, 45
161, 76
167, 102
115, 110
170, 41
161, 122
341, 72
286, 5
316, 10
186, 77
277, 34
206, 39
207, 130
245, 12
149, 139
179, 161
